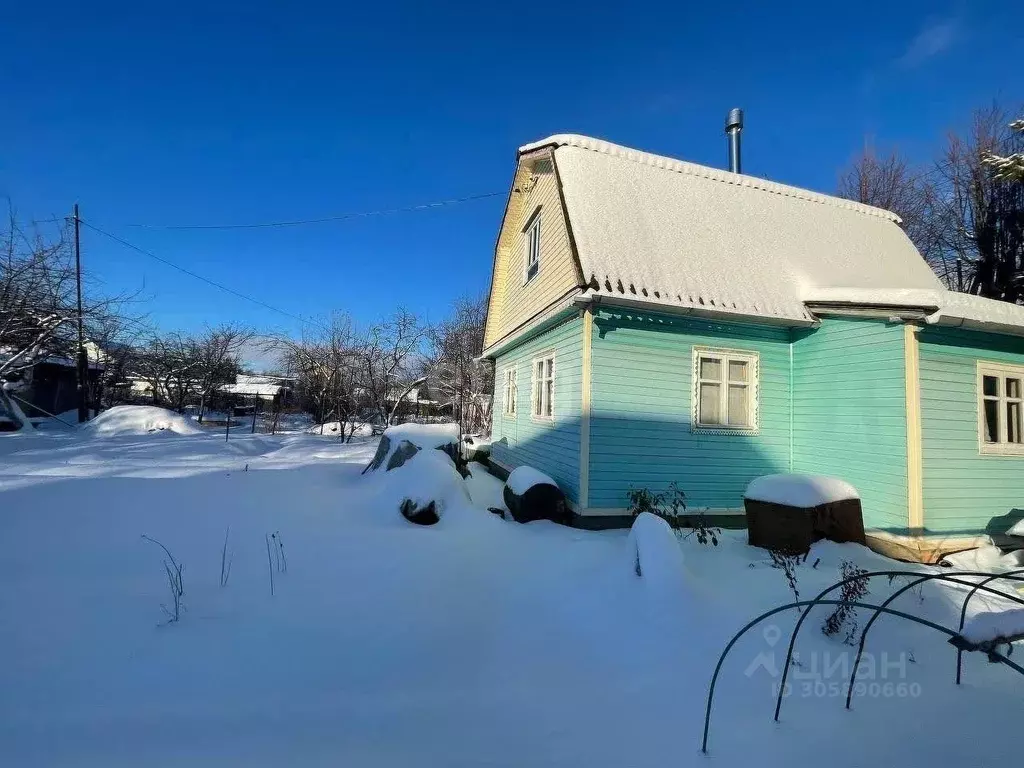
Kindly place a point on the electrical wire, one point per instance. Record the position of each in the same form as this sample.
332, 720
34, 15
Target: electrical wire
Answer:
196, 275
325, 219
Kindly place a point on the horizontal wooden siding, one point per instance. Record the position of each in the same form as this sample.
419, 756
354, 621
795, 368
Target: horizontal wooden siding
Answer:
553, 446
849, 412
964, 491
641, 405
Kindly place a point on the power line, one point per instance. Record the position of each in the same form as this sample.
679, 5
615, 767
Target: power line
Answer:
338, 217
197, 276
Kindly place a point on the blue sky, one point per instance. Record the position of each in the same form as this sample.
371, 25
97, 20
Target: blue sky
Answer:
248, 112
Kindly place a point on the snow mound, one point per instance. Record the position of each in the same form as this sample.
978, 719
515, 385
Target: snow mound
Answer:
522, 479
420, 437
428, 476
1017, 529
655, 553
987, 626
986, 558
140, 420
796, 490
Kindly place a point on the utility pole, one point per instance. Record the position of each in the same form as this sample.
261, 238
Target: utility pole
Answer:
83, 360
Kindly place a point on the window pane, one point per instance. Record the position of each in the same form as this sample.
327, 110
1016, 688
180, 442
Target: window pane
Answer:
738, 405
991, 421
549, 365
710, 412
1013, 387
549, 392
1013, 423
990, 385
737, 370
711, 368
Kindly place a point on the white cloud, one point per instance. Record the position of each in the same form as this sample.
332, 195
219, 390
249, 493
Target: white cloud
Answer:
935, 38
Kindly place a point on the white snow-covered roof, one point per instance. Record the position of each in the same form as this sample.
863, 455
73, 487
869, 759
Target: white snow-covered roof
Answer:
252, 388
666, 232
943, 307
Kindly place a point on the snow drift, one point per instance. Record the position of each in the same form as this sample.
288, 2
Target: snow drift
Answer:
654, 553
428, 480
399, 443
125, 420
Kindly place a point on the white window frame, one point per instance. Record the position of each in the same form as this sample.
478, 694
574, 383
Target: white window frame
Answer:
510, 396
531, 247
753, 361
547, 396
1001, 372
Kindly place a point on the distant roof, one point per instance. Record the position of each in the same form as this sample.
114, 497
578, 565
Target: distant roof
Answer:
666, 232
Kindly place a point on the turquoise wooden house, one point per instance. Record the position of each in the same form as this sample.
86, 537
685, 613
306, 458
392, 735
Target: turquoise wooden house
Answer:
653, 320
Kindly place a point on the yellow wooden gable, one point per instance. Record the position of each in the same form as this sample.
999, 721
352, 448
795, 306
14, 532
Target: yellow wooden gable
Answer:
514, 299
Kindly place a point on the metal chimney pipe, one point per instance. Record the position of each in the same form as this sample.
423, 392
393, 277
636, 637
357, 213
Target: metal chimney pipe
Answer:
733, 128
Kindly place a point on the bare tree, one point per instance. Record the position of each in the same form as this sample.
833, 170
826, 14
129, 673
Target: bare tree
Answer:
218, 352
978, 218
890, 183
327, 361
465, 382
390, 354
168, 363
38, 308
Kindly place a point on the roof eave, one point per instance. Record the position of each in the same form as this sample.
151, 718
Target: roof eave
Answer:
701, 312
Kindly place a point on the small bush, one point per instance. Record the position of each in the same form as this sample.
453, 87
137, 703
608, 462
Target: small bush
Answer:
788, 563
670, 506
845, 616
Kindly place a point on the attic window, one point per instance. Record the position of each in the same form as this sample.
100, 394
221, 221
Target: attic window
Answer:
531, 246
1000, 406
725, 390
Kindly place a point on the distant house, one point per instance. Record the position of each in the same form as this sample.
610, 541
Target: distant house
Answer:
654, 320
261, 387
50, 386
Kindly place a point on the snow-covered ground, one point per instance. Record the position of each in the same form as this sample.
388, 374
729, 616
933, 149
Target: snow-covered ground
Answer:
476, 641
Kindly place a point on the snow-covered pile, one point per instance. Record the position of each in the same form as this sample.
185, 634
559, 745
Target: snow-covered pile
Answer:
797, 490
139, 420
429, 476
420, 436
522, 479
989, 626
1017, 529
424, 435
654, 552
986, 558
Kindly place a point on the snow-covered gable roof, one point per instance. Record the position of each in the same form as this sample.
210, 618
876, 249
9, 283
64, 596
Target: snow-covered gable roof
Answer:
666, 232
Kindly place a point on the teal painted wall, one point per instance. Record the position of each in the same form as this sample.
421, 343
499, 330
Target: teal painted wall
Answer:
964, 491
849, 412
551, 446
641, 401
